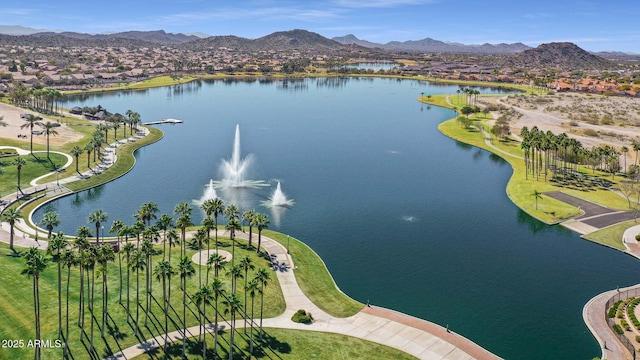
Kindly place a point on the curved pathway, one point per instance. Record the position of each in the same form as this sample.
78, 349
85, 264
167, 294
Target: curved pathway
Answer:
415, 336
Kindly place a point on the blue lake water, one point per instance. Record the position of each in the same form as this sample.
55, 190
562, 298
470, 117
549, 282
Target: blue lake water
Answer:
403, 216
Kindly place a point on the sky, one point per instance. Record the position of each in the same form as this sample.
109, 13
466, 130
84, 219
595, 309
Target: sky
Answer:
596, 25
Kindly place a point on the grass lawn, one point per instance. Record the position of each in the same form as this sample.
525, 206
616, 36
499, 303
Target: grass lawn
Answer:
18, 317
287, 344
612, 235
315, 280
37, 165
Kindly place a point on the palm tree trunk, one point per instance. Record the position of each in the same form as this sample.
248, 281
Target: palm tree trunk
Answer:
59, 298
66, 336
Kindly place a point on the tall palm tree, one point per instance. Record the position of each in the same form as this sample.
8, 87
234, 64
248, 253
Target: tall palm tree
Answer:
208, 224
49, 221
69, 259
247, 265
218, 209
236, 273
232, 304
162, 272
537, 195
182, 208
217, 262
30, 122
56, 245
232, 226
98, 217
183, 222
248, 215
198, 239
164, 223
76, 151
118, 227
202, 298
19, 163
147, 250
263, 278
217, 289
624, 150
11, 216
252, 288
128, 250
89, 258
82, 244
89, 148
186, 270
35, 264
49, 129
104, 254
138, 262
262, 222
147, 212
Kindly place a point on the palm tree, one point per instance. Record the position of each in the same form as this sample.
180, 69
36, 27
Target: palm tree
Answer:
537, 195
218, 209
31, 121
236, 273
247, 265
49, 221
263, 278
198, 238
233, 304
89, 148
217, 261
217, 289
248, 215
19, 163
147, 212
104, 254
147, 250
172, 237
232, 226
88, 259
118, 228
162, 272
138, 262
49, 129
182, 208
164, 223
624, 150
69, 259
98, 217
262, 222
35, 263
186, 270
252, 287
208, 224
81, 244
202, 298
76, 151
183, 222
128, 249
134, 118
56, 246
10, 216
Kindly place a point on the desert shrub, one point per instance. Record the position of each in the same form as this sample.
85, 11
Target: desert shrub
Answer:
590, 132
618, 329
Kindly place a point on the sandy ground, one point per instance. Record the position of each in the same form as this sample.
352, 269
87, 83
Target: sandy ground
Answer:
12, 118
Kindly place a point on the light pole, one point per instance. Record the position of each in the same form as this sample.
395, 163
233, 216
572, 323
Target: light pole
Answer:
102, 227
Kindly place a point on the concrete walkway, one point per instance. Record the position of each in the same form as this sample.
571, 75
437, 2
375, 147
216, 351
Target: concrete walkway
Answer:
415, 336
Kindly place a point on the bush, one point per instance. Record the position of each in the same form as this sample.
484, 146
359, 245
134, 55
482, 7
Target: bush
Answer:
614, 309
638, 338
302, 316
625, 325
618, 329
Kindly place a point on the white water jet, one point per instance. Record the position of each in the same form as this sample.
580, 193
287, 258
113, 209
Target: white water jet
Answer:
209, 192
278, 198
233, 171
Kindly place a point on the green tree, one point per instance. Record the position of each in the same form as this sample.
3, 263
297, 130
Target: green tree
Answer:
162, 272
248, 215
11, 216
537, 195
49, 129
35, 264
49, 221
186, 270
105, 254
30, 122
128, 250
76, 151
19, 163
57, 244
69, 259
164, 223
138, 262
262, 276
247, 265
217, 289
202, 298
98, 217
232, 226
261, 221
252, 288
232, 304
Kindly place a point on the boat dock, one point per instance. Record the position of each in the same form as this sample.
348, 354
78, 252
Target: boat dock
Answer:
164, 121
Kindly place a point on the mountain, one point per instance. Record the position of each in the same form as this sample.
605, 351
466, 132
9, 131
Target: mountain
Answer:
158, 36
432, 45
299, 40
18, 30
562, 55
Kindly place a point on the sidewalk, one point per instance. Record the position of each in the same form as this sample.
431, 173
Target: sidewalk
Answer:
415, 336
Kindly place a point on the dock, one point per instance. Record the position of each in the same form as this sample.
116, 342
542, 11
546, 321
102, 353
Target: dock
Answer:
164, 121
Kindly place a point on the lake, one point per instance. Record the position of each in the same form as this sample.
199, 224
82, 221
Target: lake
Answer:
403, 216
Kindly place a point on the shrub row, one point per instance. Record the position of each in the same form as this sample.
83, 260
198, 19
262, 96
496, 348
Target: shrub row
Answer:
632, 316
614, 309
618, 329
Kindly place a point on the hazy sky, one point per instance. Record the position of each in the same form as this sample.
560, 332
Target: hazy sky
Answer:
593, 25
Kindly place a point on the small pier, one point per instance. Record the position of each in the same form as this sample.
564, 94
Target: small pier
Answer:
164, 121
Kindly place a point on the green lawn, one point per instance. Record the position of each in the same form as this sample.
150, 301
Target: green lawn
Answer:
288, 344
17, 305
315, 280
37, 165
611, 236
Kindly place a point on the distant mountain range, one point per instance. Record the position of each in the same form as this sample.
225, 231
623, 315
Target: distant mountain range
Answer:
436, 46
563, 55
